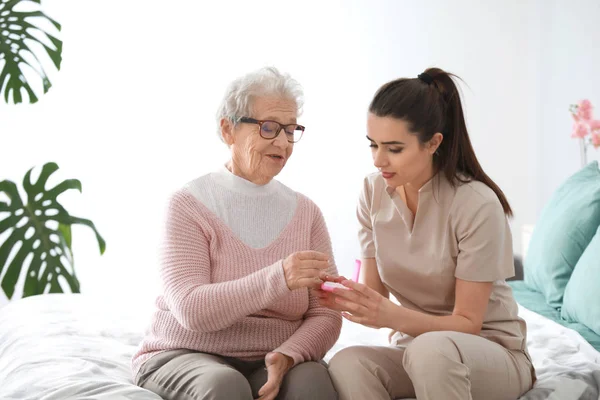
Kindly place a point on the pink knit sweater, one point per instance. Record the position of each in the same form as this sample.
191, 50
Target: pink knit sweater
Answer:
224, 297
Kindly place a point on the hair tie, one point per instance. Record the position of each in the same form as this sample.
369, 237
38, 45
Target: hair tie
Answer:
425, 77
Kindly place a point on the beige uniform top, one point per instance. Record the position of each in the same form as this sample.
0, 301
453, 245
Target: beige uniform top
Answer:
458, 232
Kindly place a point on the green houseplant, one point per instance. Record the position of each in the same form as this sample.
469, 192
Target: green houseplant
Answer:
34, 234
40, 232
22, 44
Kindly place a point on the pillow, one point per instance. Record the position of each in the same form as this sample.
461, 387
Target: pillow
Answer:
582, 295
565, 228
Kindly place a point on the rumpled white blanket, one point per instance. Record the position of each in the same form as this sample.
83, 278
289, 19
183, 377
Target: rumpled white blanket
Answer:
62, 347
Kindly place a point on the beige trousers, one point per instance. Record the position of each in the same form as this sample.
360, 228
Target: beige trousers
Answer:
190, 375
434, 366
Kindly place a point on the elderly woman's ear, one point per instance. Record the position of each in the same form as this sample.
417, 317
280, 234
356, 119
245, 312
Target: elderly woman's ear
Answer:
227, 130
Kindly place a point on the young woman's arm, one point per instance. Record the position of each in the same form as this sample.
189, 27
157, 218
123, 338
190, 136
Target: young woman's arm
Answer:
365, 305
485, 255
485, 245
469, 310
369, 275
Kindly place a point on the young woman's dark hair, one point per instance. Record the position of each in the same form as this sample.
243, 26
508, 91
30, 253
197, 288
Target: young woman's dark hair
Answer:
430, 104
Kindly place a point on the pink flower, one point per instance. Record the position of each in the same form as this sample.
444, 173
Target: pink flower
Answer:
596, 139
579, 130
595, 125
584, 110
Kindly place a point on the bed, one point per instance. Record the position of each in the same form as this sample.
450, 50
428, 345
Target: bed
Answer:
69, 346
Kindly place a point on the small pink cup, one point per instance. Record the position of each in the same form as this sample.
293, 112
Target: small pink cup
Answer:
329, 286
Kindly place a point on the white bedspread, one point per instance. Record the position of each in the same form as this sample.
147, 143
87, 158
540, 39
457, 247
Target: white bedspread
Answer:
567, 366
70, 347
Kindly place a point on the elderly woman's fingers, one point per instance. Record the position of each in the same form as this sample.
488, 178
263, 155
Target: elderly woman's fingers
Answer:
303, 272
310, 282
313, 264
329, 278
327, 299
268, 392
312, 273
330, 303
277, 365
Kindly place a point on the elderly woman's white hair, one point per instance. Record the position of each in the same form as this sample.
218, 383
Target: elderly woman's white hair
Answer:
267, 81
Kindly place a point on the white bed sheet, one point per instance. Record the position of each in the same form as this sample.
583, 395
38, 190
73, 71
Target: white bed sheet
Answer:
72, 347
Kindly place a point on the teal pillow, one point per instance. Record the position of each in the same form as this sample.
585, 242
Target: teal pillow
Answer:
582, 295
565, 228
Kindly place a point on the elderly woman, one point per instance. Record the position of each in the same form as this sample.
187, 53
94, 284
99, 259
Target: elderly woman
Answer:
237, 318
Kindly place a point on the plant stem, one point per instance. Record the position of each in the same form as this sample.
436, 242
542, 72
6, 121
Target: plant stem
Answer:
583, 152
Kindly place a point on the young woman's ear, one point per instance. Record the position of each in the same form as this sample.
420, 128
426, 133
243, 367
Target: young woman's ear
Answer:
227, 131
435, 142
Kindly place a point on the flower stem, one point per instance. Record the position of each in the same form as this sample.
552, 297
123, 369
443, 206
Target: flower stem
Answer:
583, 152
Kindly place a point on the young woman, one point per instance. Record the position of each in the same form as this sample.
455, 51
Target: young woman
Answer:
434, 233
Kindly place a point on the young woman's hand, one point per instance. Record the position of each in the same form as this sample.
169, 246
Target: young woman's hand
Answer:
327, 298
361, 304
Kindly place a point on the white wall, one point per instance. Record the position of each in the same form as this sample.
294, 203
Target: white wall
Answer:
569, 72
131, 111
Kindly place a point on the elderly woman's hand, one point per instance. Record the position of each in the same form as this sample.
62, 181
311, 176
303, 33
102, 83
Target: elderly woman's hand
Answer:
277, 365
305, 269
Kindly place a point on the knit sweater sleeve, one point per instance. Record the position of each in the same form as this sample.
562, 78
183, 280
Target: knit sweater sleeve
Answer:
185, 271
321, 326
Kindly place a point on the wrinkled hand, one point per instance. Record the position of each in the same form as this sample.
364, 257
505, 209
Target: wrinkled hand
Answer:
362, 304
305, 269
277, 365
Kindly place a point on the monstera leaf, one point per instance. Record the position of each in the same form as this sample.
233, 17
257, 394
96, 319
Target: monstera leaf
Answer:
41, 234
17, 33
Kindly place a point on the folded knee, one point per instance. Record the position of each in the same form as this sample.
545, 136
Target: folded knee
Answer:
346, 362
309, 380
431, 354
226, 383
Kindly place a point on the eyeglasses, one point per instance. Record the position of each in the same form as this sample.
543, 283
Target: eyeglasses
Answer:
271, 129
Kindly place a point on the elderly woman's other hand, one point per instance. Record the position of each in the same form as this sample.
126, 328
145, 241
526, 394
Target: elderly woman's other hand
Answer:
305, 269
277, 365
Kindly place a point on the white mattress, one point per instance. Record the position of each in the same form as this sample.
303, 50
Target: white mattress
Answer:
71, 347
